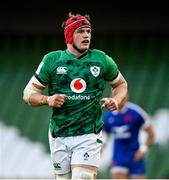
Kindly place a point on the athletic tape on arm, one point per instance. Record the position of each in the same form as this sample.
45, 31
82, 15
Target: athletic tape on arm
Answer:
33, 86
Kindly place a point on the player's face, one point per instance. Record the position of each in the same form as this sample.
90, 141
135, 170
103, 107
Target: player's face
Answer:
82, 37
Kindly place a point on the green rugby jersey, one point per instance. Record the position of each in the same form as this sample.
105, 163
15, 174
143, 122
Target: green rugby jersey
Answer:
83, 81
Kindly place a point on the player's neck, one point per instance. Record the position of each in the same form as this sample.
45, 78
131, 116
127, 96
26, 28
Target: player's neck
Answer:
74, 51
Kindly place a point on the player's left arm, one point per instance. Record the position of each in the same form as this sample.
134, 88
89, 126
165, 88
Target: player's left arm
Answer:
148, 128
150, 135
119, 94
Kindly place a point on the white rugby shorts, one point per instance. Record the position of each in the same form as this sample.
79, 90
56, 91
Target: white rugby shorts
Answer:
83, 149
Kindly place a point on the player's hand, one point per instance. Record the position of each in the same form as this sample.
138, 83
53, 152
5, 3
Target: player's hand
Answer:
56, 100
109, 103
139, 155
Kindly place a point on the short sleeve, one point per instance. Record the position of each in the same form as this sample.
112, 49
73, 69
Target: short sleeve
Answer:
144, 117
111, 69
43, 71
146, 120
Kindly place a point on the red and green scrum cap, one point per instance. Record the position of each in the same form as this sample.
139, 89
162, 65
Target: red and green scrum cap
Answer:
72, 24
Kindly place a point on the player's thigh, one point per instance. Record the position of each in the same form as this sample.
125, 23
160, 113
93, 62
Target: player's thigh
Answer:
60, 155
87, 150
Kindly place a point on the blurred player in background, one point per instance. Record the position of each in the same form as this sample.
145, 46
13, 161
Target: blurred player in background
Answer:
128, 154
76, 80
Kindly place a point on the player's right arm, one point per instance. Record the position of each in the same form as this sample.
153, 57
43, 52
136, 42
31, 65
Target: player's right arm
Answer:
33, 92
33, 96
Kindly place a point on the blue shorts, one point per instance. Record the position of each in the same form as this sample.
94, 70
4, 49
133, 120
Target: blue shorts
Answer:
129, 166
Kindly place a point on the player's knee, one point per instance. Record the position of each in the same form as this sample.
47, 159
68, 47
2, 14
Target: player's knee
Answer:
62, 176
82, 173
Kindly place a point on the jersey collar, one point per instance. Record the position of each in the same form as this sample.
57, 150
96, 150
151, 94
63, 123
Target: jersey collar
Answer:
70, 54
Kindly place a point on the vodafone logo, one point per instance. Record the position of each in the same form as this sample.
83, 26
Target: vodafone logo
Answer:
78, 85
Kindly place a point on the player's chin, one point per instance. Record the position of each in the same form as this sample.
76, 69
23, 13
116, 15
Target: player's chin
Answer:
84, 48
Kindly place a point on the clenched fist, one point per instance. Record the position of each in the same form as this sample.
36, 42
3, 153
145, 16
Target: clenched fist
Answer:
56, 100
